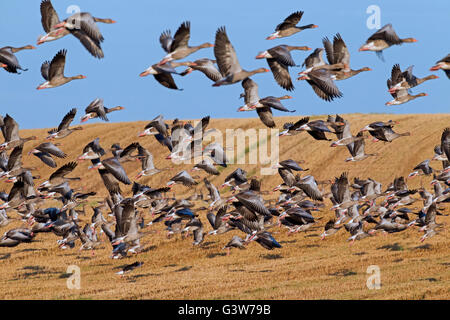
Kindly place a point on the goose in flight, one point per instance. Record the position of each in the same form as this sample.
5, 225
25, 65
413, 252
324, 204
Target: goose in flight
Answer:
9, 61
53, 72
279, 60
96, 109
289, 26
177, 47
82, 25
227, 61
10, 131
64, 129
443, 64
383, 39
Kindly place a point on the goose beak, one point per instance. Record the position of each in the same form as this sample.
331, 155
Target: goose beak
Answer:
59, 25
144, 74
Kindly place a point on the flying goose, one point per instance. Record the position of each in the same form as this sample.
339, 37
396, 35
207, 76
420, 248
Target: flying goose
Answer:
338, 53
443, 64
82, 25
227, 61
45, 151
63, 129
96, 109
10, 130
177, 47
59, 176
235, 242
163, 73
406, 80
182, 177
289, 26
206, 66
53, 72
322, 82
146, 158
9, 61
382, 39
279, 60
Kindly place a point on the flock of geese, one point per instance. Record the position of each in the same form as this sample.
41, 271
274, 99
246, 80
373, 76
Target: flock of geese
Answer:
125, 221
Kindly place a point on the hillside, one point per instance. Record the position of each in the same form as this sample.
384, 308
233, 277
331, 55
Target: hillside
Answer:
305, 268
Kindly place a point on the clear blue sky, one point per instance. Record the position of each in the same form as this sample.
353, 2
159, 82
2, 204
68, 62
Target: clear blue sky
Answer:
132, 44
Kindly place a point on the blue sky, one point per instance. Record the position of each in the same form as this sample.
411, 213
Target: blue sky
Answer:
132, 44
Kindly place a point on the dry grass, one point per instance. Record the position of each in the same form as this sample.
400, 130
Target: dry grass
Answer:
305, 268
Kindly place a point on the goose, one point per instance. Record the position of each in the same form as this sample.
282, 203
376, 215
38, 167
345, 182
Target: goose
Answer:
383, 39
340, 191
379, 124
146, 158
182, 177
10, 130
127, 231
216, 153
445, 142
177, 47
63, 129
443, 64
206, 66
316, 128
298, 219
196, 226
221, 221
285, 171
406, 80
49, 19
402, 96
338, 53
357, 232
309, 185
236, 178
251, 99
14, 237
227, 61
113, 166
357, 150
9, 61
322, 82
235, 242
385, 133
207, 165
82, 25
330, 229
422, 168
288, 26
130, 267
53, 72
158, 124
126, 154
59, 176
92, 150
279, 60
45, 151
265, 239
96, 109
163, 73
214, 195
16, 196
